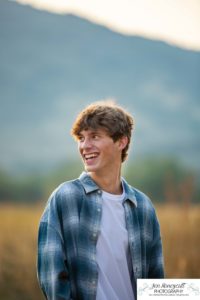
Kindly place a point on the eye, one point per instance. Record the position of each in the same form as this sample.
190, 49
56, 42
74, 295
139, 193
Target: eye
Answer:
80, 138
95, 136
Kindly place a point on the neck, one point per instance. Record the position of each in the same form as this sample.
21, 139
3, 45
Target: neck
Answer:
110, 183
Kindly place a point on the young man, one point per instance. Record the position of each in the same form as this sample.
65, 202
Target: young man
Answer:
98, 234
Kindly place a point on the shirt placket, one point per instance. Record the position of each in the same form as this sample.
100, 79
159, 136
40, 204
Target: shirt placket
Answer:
95, 233
134, 238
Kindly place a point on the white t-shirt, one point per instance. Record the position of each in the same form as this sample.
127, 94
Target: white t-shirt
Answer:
113, 258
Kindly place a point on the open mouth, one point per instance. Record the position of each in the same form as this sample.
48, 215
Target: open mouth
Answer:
90, 157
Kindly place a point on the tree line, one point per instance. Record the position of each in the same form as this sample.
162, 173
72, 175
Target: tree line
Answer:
163, 180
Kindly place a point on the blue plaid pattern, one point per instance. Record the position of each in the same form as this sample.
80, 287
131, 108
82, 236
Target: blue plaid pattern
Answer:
68, 234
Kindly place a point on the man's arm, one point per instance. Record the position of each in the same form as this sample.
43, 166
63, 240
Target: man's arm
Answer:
52, 268
156, 265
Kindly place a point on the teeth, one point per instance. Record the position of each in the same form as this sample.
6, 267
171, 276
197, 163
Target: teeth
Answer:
92, 155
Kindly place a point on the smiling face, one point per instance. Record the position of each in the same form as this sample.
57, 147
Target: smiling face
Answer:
108, 116
100, 154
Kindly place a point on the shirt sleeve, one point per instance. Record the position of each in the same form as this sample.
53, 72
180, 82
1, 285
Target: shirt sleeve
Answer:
156, 265
52, 268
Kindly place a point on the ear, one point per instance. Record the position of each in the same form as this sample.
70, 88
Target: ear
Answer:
123, 141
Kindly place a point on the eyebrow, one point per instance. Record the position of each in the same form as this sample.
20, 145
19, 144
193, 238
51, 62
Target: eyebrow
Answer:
95, 131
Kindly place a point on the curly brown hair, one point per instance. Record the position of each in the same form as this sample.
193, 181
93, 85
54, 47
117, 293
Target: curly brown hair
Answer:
109, 116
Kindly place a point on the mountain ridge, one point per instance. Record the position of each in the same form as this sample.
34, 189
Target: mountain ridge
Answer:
54, 65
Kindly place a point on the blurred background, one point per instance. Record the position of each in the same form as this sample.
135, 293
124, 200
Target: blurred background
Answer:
56, 57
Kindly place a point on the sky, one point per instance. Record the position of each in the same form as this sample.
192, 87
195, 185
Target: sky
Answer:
176, 22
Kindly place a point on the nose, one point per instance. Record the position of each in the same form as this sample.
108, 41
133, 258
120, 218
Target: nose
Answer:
85, 144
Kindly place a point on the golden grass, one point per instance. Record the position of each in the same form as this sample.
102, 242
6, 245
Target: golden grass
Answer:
180, 227
18, 244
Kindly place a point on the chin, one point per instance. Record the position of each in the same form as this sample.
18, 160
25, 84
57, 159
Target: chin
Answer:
91, 168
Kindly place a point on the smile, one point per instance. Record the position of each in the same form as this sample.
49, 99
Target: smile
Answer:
90, 156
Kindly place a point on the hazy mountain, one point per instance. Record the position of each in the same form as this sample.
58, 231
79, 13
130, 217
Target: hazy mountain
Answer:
51, 66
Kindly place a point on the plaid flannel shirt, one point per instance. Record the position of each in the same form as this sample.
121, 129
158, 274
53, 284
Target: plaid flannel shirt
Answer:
68, 234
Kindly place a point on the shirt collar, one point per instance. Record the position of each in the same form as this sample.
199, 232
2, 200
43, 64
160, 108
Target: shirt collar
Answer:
87, 182
129, 192
90, 186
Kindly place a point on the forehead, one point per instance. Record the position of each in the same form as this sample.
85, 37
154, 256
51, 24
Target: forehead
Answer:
91, 131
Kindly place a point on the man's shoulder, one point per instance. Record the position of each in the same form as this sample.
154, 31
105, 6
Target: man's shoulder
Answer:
66, 190
145, 208
142, 199
140, 195
70, 187
63, 199
67, 194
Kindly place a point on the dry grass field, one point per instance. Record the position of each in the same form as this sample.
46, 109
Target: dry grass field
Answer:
18, 242
181, 240
180, 227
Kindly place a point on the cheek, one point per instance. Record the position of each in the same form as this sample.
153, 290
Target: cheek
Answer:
109, 151
79, 148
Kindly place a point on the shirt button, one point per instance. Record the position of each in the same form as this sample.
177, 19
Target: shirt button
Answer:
98, 209
93, 282
99, 192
